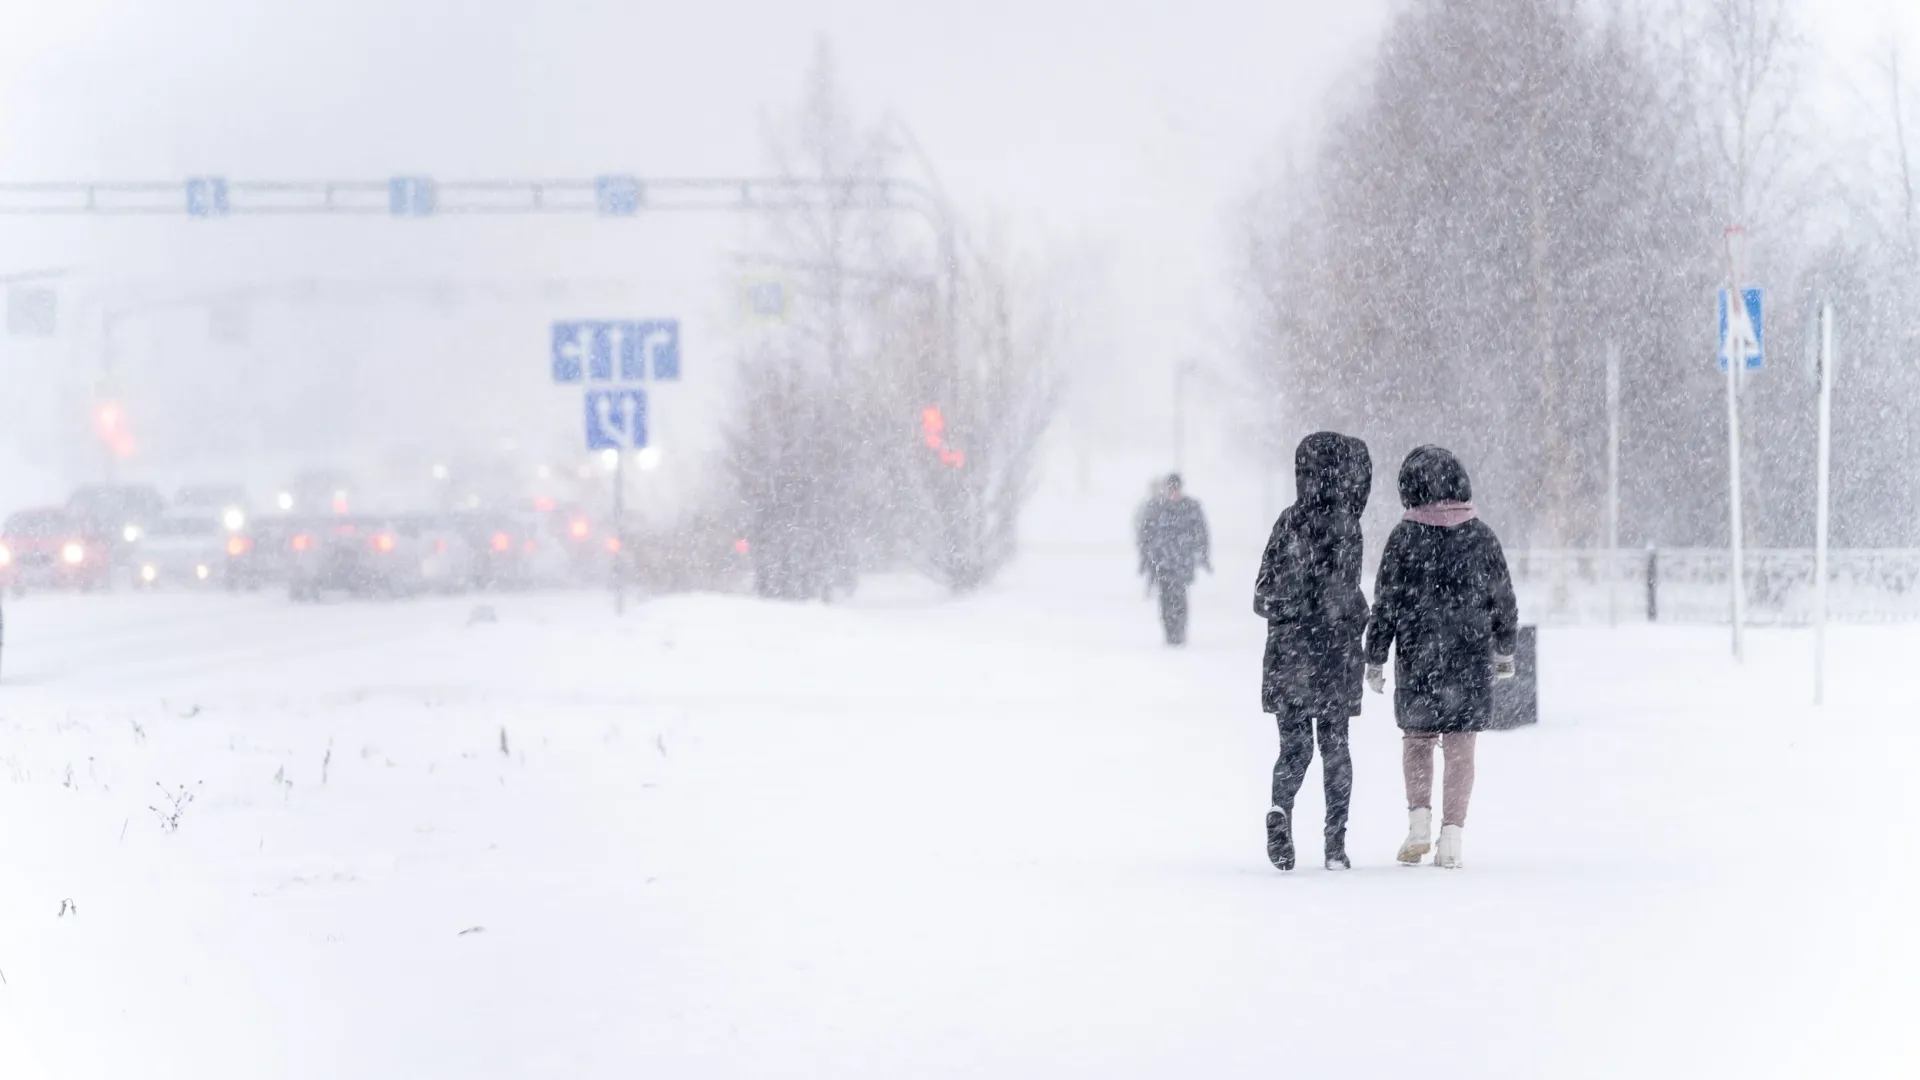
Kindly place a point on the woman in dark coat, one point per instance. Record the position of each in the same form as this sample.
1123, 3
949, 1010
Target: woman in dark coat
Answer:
1308, 590
1443, 602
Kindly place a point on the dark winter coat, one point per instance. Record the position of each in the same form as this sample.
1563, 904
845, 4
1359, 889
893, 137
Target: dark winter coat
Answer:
1443, 602
1308, 588
1173, 540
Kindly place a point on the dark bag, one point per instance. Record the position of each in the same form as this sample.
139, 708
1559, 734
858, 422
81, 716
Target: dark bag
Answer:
1516, 701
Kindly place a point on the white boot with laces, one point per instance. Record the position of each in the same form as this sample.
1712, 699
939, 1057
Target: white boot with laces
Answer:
1449, 854
1419, 836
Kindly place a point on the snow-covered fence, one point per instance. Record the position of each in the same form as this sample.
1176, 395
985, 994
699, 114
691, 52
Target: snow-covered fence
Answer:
1689, 585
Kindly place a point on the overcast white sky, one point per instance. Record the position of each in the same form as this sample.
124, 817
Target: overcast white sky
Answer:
1127, 127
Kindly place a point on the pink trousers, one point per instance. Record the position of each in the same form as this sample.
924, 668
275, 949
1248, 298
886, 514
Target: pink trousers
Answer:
1416, 760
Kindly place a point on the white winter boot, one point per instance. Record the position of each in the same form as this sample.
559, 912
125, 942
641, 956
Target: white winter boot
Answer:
1449, 854
1419, 836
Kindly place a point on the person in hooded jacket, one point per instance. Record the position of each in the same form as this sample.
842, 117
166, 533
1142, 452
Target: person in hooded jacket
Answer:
1308, 590
1171, 532
1443, 603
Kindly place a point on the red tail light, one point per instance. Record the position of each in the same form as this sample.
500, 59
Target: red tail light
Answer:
383, 543
613, 544
240, 545
302, 542
502, 542
440, 546
543, 504
741, 546
579, 528
531, 546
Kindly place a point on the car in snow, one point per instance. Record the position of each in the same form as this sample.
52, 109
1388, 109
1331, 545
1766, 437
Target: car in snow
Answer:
261, 553
118, 513
449, 562
575, 547
191, 550
321, 491
357, 555
502, 548
228, 502
53, 548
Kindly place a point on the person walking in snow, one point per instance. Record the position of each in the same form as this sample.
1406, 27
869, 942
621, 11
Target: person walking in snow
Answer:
1172, 535
1443, 603
1308, 590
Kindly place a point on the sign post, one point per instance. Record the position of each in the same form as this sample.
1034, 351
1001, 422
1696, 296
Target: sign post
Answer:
1822, 520
619, 533
1612, 576
614, 360
1740, 347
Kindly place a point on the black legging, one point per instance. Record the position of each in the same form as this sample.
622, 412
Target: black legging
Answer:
1336, 766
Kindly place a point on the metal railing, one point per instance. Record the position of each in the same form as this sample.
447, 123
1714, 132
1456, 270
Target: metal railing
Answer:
1691, 585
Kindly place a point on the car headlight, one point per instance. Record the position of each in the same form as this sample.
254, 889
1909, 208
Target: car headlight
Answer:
234, 519
131, 533
5, 555
202, 573
149, 573
74, 554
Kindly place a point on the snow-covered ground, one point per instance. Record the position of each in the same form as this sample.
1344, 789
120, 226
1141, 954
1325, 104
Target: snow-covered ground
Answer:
1004, 837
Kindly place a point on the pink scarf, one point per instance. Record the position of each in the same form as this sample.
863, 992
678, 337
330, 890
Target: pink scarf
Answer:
1446, 514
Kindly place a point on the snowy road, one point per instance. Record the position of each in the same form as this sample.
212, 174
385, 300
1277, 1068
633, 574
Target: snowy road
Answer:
1011, 836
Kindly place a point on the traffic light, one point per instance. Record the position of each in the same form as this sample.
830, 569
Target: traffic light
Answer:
110, 423
933, 425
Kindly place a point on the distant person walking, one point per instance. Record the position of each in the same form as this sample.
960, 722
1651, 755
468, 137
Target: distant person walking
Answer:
1443, 602
1172, 536
1308, 590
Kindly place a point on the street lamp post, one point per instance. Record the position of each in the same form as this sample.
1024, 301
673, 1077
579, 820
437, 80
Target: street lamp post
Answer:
1182, 371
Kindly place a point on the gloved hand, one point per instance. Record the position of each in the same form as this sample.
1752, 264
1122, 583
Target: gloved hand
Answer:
1377, 678
1503, 668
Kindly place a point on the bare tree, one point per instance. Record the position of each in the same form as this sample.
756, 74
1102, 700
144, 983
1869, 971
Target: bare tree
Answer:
985, 411
896, 417
1750, 89
1509, 196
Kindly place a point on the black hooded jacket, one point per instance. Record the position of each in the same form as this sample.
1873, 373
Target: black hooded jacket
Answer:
1443, 602
1172, 535
1308, 588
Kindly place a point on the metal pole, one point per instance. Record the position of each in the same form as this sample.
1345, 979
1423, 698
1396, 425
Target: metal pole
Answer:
1822, 517
1180, 416
1736, 346
1613, 484
619, 530
1735, 526
105, 391
1653, 583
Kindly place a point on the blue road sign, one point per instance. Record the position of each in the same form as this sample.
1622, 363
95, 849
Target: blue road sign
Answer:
767, 299
411, 196
660, 342
571, 340
1751, 343
617, 419
605, 351
616, 196
206, 196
